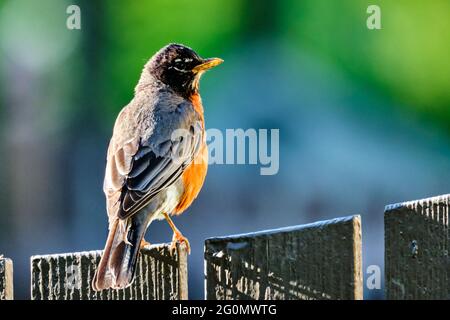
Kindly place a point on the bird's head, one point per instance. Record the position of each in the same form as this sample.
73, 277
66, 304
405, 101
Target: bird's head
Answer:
180, 68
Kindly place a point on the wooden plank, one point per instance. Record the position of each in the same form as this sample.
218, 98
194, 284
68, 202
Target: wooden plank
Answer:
160, 274
321, 260
417, 264
6, 278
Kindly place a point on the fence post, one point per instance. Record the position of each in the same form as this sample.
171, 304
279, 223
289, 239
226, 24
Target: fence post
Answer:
321, 260
160, 274
417, 264
6, 278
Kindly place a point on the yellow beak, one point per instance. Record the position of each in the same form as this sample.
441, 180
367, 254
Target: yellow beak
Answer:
207, 64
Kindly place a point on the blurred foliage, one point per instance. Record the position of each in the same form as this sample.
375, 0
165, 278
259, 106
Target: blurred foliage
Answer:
409, 59
36, 46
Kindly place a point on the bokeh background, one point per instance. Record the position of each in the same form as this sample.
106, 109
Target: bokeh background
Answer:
364, 115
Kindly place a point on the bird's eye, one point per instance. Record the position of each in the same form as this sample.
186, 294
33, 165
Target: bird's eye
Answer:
179, 65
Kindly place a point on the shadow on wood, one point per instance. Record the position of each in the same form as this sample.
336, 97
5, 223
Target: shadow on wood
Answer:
417, 264
315, 261
160, 275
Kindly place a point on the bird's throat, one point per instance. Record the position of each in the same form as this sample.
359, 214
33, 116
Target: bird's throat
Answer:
197, 103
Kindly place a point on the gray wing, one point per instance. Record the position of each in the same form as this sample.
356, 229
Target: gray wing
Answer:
156, 163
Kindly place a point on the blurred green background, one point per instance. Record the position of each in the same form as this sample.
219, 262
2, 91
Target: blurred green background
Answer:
364, 115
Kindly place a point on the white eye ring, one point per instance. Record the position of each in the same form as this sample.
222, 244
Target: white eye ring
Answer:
177, 60
180, 70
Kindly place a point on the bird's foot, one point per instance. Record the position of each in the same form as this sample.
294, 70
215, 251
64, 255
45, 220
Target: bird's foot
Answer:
144, 244
179, 238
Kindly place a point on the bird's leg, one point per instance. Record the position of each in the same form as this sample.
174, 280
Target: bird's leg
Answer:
177, 236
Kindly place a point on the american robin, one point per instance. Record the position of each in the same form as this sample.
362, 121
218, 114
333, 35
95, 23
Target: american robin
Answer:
157, 159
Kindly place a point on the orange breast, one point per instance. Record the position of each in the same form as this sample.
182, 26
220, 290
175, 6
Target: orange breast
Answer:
194, 175
193, 178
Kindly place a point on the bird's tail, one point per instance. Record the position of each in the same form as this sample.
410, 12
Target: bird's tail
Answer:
118, 263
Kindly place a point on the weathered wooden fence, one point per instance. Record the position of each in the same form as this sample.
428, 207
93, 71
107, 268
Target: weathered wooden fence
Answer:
160, 274
321, 260
6, 279
417, 263
316, 261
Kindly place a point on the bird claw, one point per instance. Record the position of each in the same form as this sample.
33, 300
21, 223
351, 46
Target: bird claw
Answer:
179, 238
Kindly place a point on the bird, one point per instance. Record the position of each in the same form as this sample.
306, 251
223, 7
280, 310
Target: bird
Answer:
157, 159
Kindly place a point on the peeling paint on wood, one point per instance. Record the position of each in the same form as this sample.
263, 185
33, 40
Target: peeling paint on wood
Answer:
417, 264
160, 275
314, 261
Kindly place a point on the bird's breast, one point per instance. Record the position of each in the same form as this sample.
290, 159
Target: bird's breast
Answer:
192, 180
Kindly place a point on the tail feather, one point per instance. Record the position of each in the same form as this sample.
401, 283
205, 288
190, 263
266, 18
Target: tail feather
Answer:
102, 278
118, 263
